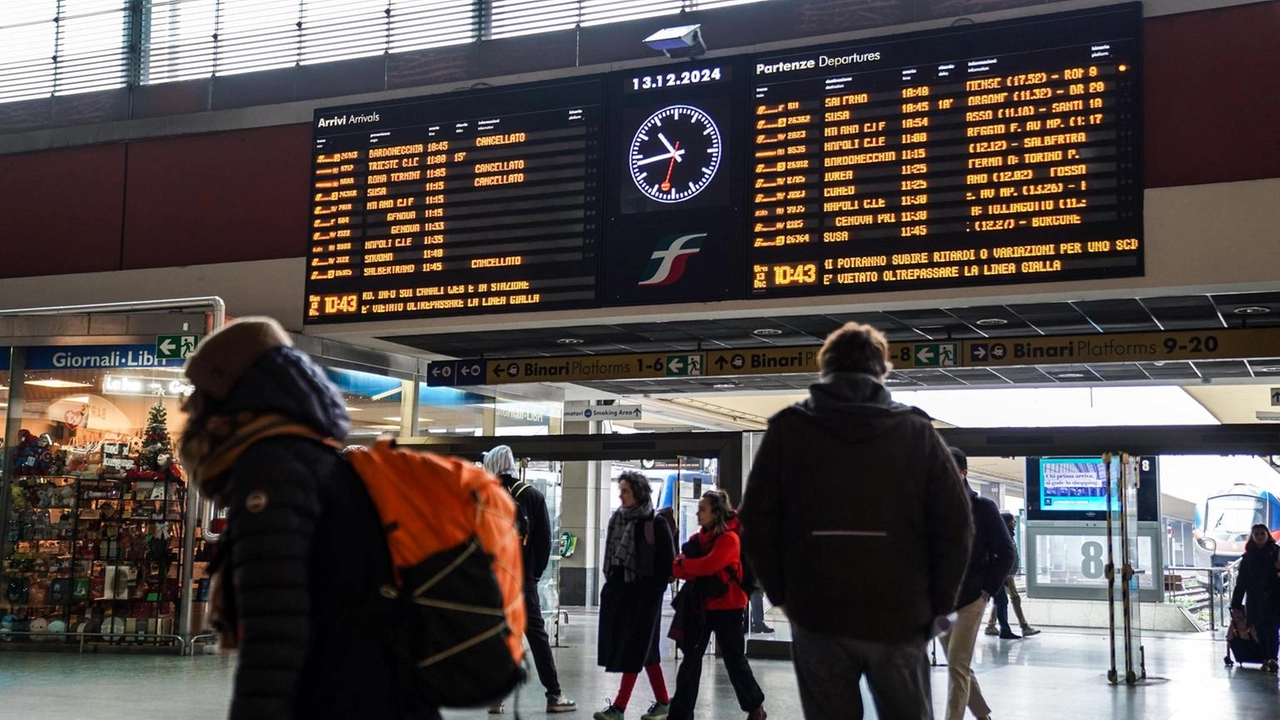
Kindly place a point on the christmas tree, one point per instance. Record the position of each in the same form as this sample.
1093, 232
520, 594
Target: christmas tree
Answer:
157, 451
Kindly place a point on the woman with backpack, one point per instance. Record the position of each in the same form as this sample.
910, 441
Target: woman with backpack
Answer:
718, 563
304, 549
639, 550
1257, 592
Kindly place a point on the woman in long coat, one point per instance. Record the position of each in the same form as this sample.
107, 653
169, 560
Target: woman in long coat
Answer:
1258, 591
638, 554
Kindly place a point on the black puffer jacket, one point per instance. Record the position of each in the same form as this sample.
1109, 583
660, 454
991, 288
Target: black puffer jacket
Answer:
307, 555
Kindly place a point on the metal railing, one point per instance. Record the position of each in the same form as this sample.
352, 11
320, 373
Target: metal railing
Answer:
1219, 582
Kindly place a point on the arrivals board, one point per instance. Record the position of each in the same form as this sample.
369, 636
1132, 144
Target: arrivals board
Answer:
466, 203
975, 155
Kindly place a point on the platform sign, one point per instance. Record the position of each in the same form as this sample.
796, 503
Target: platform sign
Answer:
1127, 347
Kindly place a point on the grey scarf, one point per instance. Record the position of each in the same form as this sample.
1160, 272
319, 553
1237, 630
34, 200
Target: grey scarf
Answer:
620, 545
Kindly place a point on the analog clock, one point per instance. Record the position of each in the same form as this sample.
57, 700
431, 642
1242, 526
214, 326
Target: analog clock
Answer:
675, 153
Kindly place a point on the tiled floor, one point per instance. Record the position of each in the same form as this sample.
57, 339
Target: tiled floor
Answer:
1059, 674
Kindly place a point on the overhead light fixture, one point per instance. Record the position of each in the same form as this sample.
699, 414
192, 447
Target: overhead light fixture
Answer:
680, 42
392, 419
766, 332
1071, 375
569, 341
1252, 310
725, 385
991, 322
76, 399
352, 409
1267, 415
387, 393
1269, 369
51, 383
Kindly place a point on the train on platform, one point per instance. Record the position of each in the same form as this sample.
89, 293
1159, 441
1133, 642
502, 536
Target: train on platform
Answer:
1224, 519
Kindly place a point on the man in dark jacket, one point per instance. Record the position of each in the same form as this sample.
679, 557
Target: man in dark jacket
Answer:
304, 550
990, 562
532, 512
856, 524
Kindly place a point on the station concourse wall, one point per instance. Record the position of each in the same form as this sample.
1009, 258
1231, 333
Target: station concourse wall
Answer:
224, 212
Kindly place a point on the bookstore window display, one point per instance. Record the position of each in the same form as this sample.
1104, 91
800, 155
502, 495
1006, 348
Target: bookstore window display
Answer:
95, 513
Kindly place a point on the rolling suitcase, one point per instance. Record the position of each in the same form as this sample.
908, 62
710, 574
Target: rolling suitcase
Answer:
1243, 650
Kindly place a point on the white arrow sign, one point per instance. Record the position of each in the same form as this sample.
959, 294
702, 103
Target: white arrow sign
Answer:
925, 355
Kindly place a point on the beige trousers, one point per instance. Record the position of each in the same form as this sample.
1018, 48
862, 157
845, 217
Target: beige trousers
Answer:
957, 644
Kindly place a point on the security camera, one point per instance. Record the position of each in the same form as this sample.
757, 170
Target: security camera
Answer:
684, 41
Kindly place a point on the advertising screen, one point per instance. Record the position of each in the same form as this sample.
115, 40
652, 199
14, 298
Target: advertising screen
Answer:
1074, 488
1068, 484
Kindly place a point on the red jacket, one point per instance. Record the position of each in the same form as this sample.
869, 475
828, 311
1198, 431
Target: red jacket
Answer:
722, 558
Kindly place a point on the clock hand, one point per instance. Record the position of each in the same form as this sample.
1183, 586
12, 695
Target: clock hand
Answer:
678, 154
675, 155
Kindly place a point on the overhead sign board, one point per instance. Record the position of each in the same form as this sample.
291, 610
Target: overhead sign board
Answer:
1001, 352
586, 411
1130, 347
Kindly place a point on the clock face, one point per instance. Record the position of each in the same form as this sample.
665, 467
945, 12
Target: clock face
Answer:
675, 153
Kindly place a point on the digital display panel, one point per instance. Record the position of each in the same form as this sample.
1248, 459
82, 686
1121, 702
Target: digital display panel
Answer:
1075, 488
674, 230
1071, 484
483, 202
975, 155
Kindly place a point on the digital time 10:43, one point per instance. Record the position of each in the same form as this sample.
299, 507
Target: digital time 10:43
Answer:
673, 79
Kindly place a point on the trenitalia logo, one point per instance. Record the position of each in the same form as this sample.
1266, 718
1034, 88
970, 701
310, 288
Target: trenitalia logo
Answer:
666, 265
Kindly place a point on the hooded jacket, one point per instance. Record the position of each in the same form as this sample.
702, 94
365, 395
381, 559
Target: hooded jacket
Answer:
307, 556
854, 517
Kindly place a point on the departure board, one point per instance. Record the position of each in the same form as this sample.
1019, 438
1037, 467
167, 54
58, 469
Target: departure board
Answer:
468, 203
975, 155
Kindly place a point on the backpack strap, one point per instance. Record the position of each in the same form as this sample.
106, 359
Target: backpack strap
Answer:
522, 485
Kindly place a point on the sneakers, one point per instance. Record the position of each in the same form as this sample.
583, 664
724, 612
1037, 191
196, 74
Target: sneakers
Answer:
562, 704
497, 709
609, 713
657, 711
991, 630
1028, 631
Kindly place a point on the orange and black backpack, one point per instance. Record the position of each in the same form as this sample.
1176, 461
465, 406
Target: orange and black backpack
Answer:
451, 531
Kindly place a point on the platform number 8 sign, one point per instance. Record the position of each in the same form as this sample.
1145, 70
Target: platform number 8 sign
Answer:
1092, 567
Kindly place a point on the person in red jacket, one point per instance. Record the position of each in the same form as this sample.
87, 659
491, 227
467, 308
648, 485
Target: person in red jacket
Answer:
721, 558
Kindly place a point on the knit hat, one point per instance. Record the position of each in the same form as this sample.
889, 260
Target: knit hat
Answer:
500, 461
225, 355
